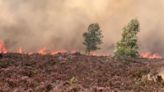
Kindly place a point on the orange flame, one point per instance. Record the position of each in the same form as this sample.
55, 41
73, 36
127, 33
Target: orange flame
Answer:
20, 50
2, 47
150, 55
30, 53
57, 51
43, 51
99, 54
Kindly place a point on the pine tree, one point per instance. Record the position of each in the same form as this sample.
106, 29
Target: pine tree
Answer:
92, 38
128, 47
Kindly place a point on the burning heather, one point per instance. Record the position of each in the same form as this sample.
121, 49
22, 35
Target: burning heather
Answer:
44, 51
150, 55
2, 47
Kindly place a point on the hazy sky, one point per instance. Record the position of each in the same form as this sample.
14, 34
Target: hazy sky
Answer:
59, 24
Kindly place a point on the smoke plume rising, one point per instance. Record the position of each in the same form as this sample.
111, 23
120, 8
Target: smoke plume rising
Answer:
59, 24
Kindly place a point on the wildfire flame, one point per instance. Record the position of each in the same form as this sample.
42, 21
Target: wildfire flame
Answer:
150, 55
99, 54
57, 51
20, 50
44, 51
2, 47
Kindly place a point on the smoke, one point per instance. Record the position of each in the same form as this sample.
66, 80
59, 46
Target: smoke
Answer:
59, 24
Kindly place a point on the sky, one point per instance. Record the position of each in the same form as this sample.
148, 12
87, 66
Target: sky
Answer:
59, 24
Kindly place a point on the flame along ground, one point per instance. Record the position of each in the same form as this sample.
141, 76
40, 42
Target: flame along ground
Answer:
44, 51
2, 47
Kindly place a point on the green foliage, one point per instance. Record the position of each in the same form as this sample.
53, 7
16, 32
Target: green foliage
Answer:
128, 47
92, 38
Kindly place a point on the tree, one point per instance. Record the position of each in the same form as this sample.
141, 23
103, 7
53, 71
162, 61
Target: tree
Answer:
92, 38
128, 47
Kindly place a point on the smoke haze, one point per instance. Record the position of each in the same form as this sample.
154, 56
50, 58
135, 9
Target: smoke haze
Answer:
59, 24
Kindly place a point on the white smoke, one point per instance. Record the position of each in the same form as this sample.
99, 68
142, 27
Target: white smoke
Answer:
59, 24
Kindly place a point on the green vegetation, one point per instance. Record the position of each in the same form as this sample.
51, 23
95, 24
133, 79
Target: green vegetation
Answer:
128, 47
92, 38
